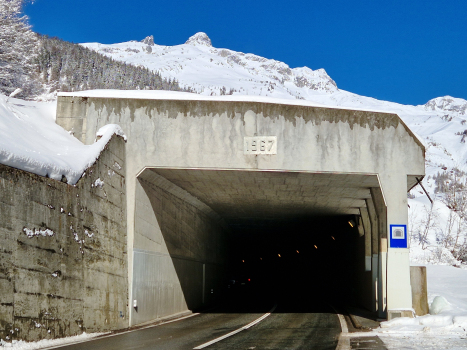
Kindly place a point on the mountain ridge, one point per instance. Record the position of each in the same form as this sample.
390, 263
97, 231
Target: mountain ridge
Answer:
253, 74
208, 70
269, 73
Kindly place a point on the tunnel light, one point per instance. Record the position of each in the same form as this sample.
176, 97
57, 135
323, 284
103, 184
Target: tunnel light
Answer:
297, 252
243, 260
316, 246
351, 223
333, 238
260, 258
279, 255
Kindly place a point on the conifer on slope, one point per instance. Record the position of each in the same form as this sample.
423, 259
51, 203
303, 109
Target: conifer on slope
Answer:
18, 47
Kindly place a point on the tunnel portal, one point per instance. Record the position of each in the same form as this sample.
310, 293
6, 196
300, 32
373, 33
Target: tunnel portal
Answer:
276, 231
223, 189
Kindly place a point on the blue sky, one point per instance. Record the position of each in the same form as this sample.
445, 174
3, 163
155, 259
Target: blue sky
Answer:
402, 51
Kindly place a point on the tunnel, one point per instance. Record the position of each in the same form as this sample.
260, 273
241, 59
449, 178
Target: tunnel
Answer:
312, 259
246, 238
287, 194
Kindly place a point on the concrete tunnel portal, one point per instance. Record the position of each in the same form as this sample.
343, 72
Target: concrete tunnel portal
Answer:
285, 194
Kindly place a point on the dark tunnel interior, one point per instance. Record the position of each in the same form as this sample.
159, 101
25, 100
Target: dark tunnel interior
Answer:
304, 263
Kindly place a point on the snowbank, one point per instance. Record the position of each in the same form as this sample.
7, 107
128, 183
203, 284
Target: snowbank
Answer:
46, 343
31, 141
446, 327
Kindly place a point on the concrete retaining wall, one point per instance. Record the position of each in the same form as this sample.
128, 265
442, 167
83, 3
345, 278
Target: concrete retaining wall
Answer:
63, 256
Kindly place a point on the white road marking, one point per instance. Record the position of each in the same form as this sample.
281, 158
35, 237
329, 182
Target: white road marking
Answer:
115, 334
251, 324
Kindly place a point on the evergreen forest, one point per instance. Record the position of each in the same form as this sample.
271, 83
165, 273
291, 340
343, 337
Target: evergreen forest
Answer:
33, 64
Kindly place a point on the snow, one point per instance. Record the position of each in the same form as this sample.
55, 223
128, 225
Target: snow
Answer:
207, 70
446, 325
41, 232
31, 141
45, 343
439, 305
110, 129
99, 183
186, 96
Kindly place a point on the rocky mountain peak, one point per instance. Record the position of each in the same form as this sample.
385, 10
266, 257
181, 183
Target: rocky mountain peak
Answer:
149, 40
447, 104
199, 38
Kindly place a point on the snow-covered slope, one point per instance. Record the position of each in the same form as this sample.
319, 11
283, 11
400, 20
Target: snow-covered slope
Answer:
208, 70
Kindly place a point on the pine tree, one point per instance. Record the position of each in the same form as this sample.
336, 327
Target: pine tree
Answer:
17, 49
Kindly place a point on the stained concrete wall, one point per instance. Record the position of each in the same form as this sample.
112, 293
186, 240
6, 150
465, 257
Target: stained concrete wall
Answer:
70, 274
210, 134
182, 133
179, 251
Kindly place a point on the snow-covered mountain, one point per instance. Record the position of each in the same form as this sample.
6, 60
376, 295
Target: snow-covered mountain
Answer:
440, 123
448, 104
208, 70
215, 71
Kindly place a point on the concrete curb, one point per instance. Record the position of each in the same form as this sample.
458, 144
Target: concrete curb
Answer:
356, 323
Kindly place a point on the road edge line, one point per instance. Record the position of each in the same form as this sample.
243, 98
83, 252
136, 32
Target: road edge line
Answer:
251, 324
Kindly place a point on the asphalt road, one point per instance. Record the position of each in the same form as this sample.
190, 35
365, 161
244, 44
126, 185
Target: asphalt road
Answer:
292, 325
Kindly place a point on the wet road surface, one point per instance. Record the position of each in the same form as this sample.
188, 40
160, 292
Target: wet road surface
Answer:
292, 325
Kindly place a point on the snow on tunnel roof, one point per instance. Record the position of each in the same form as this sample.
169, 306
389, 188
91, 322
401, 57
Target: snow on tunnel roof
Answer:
187, 96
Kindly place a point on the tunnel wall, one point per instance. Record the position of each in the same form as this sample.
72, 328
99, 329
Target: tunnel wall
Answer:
363, 290
370, 259
178, 256
63, 256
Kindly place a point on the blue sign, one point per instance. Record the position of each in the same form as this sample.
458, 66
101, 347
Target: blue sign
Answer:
398, 236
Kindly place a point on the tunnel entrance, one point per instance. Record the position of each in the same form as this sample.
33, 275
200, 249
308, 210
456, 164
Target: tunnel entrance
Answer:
309, 259
197, 166
254, 234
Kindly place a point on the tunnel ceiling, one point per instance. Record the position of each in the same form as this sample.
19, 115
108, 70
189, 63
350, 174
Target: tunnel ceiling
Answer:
242, 196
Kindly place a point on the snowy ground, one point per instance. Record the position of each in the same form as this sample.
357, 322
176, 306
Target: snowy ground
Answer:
47, 343
446, 325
